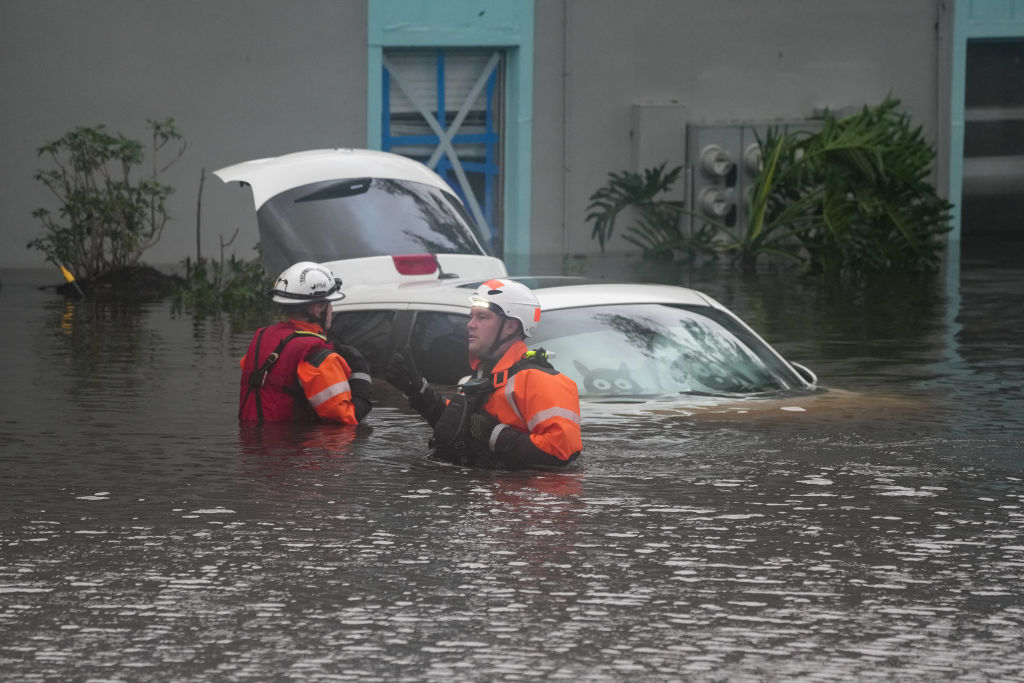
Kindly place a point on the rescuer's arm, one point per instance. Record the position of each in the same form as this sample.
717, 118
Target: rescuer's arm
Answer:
506, 446
358, 379
403, 374
324, 376
551, 405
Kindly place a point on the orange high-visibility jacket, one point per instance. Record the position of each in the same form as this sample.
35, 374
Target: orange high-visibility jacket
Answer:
308, 379
545, 405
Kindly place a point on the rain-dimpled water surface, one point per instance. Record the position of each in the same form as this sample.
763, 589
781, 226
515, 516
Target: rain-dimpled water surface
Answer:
875, 532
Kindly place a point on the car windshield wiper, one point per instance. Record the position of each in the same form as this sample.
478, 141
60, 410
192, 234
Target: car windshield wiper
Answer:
339, 190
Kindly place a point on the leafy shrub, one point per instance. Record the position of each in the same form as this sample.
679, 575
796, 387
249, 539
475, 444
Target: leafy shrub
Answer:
234, 286
873, 208
107, 218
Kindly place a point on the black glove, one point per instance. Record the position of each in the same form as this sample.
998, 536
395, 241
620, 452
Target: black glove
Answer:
355, 360
481, 426
403, 375
451, 426
359, 381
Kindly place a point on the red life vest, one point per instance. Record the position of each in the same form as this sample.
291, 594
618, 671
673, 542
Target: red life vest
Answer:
270, 390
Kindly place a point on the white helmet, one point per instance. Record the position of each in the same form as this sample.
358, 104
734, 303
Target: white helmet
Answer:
306, 282
511, 299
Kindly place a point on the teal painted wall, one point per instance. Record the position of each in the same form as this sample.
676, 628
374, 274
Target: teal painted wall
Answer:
972, 19
506, 24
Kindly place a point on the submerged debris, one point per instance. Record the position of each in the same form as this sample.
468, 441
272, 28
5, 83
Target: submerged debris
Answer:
130, 282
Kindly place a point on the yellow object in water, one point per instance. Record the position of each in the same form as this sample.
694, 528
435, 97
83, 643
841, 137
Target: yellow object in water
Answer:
71, 279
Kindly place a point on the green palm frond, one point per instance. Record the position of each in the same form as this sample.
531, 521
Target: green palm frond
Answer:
852, 197
624, 190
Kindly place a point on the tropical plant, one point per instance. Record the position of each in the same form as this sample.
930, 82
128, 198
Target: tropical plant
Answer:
107, 218
656, 229
851, 198
774, 208
874, 207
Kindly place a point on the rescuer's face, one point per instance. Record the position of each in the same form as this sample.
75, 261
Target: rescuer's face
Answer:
483, 328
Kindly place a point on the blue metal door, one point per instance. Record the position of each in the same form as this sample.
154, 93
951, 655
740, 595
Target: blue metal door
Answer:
443, 107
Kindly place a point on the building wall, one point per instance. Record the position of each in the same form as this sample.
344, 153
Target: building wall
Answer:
243, 79
253, 78
721, 61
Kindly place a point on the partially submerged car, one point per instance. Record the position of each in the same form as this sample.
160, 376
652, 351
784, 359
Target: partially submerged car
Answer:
406, 250
625, 340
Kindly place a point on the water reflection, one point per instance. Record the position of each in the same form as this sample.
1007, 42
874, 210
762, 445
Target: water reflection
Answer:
308, 443
145, 535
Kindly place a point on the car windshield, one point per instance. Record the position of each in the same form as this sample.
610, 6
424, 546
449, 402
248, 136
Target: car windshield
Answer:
356, 218
654, 349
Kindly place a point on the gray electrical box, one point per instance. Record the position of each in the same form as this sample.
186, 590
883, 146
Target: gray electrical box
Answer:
723, 160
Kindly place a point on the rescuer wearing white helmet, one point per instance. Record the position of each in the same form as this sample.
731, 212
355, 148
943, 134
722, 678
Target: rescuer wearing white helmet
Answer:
517, 411
291, 372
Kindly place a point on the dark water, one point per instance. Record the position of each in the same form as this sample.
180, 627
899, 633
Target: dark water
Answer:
875, 535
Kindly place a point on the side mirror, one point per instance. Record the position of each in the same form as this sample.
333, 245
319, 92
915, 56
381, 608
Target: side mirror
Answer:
805, 373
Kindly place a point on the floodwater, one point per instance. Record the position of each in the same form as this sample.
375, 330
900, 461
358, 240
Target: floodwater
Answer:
877, 534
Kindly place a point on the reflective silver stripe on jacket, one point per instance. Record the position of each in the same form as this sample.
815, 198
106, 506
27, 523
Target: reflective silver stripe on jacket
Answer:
556, 411
329, 393
553, 412
509, 385
493, 440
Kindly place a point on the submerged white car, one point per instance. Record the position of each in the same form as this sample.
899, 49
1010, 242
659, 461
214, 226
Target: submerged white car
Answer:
405, 248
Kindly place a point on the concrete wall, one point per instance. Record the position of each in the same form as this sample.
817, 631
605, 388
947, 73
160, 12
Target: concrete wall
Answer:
242, 78
252, 78
722, 61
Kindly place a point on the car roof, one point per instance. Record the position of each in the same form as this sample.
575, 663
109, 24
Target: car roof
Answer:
571, 295
273, 175
554, 293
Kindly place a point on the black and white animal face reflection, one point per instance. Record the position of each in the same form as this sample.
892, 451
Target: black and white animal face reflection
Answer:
607, 380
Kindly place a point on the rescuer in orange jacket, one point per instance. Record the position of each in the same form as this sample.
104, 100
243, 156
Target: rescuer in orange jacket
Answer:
517, 411
291, 373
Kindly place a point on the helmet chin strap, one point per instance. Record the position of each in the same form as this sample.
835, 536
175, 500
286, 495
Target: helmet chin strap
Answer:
492, 352
323, 316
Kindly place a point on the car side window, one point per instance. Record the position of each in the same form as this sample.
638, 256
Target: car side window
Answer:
438, 345
368, 331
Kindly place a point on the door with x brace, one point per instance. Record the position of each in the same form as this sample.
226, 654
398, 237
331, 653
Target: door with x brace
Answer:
443, 108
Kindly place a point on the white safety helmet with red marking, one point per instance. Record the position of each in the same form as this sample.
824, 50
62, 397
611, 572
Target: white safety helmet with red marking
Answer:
306, 282
511, 299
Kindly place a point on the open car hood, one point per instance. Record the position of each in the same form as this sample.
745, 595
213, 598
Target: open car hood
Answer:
357, 209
